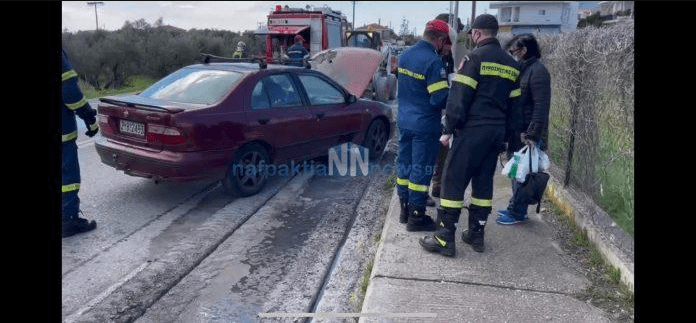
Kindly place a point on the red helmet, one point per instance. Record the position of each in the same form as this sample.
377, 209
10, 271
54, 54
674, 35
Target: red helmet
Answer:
299, 38
437, 25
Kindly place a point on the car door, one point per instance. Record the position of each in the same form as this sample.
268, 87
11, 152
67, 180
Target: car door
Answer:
278, 116
335, 122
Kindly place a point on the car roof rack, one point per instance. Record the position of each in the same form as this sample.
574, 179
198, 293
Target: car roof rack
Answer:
208, 57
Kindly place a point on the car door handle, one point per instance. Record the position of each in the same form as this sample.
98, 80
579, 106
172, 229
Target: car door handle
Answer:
319, 115
263, 121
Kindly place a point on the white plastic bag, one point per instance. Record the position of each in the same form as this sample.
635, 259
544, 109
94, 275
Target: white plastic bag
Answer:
544, 162
518, 166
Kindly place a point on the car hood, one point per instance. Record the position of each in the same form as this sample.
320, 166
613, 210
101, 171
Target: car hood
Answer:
351, 67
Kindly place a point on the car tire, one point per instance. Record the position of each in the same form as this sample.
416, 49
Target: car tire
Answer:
393, 86
242, 180
376, 138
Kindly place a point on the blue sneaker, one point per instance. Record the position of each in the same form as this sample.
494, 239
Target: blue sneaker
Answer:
502, 212
508, 219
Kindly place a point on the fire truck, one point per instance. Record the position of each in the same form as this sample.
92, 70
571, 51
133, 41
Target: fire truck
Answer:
324, 29
321, 27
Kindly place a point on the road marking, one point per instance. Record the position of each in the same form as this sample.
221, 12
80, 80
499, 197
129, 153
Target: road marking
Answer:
71, 318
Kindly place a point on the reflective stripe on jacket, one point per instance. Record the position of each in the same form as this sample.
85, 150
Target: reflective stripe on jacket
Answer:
423, 88
73, 103
483, 89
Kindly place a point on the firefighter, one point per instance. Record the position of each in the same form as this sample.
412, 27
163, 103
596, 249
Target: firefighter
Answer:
297, 52
422, 97
73, 103
241, 47
477, 117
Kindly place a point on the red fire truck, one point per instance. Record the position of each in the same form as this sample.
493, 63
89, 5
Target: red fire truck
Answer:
321, 27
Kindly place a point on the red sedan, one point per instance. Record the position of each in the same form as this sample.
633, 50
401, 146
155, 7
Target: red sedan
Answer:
202, 120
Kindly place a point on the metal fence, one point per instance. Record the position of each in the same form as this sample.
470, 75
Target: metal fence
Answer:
591, 121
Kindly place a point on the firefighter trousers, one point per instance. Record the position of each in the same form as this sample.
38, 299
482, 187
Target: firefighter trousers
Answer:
415, 161
472, 158
70, 180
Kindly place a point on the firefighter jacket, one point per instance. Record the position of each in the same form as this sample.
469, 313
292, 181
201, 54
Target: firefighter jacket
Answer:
296, 53
534, 104
422, 88
484, 89
74, 103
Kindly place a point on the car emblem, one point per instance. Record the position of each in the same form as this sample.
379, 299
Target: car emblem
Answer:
125, 113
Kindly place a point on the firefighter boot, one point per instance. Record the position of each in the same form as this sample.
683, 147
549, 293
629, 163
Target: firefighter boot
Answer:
418, 220
403, 216
443, 239
75, 225
477, 222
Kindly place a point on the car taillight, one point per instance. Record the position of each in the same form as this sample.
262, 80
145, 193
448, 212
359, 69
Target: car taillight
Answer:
104, 125
165, 135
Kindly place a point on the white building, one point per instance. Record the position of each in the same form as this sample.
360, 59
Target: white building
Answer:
519, 17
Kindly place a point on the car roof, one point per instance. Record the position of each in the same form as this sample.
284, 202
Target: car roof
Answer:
247, 68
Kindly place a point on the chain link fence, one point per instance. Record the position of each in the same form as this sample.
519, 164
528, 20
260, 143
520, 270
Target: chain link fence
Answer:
591, 122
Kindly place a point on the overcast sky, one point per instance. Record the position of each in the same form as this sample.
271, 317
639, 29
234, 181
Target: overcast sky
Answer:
239, 16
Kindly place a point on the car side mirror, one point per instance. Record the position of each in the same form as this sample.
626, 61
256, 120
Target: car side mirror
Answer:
352, 98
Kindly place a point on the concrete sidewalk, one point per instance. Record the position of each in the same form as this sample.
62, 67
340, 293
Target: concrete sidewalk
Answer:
521, 276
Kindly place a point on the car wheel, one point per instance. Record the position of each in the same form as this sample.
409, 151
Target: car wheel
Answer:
393, 86
247, 175
376, 138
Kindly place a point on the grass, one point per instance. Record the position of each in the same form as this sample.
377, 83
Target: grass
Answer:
594, 258
134, 83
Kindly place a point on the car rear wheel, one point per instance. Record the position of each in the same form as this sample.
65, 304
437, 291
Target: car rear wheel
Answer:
376, 138
247, 175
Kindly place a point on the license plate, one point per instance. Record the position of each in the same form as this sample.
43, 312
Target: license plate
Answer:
133, 128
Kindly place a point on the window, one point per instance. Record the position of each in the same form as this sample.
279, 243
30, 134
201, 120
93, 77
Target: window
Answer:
275, 91
193, 85
321, 92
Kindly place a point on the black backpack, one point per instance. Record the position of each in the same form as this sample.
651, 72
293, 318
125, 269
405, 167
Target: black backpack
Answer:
531, 191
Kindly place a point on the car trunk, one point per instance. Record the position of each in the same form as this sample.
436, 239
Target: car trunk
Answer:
144, 123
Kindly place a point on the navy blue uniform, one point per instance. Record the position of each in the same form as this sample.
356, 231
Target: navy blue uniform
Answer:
296, 53
422, 96
73, 103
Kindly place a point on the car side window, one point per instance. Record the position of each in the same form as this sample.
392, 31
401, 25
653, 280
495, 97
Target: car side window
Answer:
321, 92
275, 91
259, 98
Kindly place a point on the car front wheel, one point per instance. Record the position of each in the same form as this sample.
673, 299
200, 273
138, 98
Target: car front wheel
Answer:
247, 175
376, 138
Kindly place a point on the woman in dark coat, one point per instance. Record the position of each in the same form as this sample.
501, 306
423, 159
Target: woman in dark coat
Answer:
535, 100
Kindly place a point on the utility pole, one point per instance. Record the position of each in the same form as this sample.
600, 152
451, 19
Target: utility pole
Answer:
95, 10
473, 11
353, 15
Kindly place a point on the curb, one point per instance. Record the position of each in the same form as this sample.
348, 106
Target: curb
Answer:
615, 246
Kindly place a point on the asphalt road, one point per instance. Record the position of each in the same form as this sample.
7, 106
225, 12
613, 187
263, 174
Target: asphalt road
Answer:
181, 252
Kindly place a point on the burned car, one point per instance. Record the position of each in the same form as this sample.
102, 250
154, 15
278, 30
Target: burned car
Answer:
204, 119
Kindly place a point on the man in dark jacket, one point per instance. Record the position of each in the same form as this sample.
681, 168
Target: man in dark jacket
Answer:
476, 118
535, 100
297, 52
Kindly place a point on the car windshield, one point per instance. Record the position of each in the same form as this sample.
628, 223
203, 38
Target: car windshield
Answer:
192, 85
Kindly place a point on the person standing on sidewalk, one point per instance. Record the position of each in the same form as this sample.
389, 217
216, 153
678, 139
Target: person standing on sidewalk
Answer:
476, 120
73, 103
535, 101
422, 96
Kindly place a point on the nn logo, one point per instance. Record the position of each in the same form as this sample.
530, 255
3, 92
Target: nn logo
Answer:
349, 158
